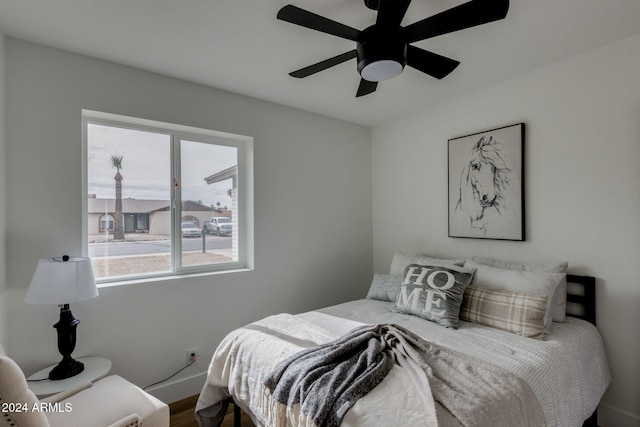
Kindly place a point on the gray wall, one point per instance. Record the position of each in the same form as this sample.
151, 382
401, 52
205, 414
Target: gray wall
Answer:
3, 205
313, 225
582, 157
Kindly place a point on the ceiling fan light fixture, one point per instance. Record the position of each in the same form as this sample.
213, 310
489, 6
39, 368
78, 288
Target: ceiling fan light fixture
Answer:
381, 70
380, 59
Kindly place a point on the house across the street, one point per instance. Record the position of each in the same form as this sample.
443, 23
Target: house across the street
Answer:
144, 216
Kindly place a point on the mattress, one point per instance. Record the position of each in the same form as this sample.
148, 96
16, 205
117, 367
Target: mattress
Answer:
568, 372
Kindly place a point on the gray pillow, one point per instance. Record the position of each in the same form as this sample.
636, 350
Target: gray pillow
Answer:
434, 292
401, 260
384, 287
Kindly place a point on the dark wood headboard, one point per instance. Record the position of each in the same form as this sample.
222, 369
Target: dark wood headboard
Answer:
581, 297
581, 303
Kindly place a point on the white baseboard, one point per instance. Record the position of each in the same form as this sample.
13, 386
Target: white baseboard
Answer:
608, 416
172, 391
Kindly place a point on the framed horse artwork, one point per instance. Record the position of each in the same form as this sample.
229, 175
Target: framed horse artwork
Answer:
486, 184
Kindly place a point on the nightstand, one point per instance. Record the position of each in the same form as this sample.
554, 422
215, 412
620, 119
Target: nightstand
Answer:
94, 369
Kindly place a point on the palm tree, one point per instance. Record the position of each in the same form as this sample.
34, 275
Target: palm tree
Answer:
118, 232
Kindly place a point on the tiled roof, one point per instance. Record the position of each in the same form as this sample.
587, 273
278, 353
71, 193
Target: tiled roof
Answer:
128, 205
140, 206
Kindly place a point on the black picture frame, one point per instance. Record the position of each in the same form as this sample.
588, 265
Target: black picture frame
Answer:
486, 184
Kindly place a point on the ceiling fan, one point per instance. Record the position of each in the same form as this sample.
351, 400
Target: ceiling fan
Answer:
383, 49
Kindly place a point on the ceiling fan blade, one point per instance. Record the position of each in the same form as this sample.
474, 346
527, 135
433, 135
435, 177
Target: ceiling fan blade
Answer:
466, 15
295, 15
323, 65
391, 13
430, 63
366, 87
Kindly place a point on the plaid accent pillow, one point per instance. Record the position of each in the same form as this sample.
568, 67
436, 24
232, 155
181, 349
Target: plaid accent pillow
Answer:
526, 282
521, 314
559, 300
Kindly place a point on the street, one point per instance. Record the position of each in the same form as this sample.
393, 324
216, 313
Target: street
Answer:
142, 247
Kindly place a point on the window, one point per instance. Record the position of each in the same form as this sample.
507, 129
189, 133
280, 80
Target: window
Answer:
106, 223
156, 194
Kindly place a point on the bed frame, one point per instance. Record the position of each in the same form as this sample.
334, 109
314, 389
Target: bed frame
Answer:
581, 303
581, 297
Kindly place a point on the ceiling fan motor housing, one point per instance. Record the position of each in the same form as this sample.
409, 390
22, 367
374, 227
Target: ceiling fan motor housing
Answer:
372, 4
381, 58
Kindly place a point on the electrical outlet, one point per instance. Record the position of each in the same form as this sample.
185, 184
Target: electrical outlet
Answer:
193, 355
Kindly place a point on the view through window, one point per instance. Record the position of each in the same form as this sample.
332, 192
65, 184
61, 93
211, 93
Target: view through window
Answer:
163, 201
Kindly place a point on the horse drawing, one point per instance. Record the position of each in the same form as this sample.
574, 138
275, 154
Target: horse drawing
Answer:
483, 182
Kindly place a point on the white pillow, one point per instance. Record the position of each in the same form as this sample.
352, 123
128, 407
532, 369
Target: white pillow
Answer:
550, 267
524, 282
401, 261
13, 389
559, 300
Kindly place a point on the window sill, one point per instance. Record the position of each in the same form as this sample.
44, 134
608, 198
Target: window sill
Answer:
168, 277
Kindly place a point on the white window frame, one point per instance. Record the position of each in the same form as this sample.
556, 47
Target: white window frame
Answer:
177, 133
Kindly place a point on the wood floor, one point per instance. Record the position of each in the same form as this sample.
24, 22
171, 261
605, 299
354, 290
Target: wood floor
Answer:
182, 414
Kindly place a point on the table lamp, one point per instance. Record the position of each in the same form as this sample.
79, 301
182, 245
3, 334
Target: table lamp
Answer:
62, 281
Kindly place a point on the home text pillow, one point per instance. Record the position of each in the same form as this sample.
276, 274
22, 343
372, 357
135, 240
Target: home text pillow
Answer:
559, 300
434, 292
384, 287
521, 314
525, 282
401, 261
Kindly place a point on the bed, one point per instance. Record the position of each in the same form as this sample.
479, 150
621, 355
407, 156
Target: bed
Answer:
563, 366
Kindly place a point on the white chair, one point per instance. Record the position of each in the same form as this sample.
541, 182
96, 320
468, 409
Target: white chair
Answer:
109, 402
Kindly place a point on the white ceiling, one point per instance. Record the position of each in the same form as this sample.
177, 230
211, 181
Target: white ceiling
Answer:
240, 46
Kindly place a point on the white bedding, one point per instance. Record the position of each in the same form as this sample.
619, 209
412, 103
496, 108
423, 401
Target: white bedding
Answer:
568, 373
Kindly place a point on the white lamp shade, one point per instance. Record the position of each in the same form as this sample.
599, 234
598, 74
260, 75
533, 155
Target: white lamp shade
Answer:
62, 282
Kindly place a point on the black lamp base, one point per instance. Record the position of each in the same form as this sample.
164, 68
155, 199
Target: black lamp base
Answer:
67, 368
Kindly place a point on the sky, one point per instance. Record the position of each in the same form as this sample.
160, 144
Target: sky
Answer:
146, 166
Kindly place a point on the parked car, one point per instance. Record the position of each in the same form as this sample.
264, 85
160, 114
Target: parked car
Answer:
190, 229
220, 225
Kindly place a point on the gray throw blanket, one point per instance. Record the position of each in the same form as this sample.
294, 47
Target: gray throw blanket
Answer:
326, 380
